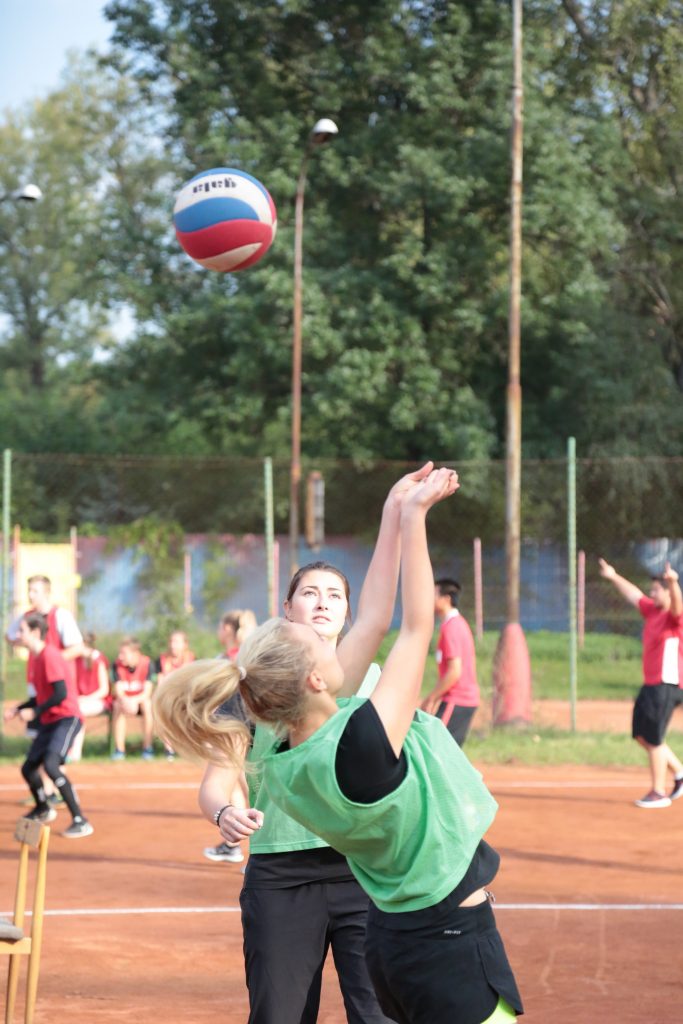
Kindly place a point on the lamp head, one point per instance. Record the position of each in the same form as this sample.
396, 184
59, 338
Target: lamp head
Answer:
28, 193
323, 131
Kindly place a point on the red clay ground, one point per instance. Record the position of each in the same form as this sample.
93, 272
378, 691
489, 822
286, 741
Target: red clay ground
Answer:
119, 948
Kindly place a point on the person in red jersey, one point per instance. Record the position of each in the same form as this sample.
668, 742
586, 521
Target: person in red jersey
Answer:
177, 655
455, 698
132, 675
55, 711
92, 685
661, 691
62, 630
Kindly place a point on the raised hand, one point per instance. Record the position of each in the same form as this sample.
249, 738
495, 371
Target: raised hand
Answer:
437, 485
669, 575
407, 483
607, 571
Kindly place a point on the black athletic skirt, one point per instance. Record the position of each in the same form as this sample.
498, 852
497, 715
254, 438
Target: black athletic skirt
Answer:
450, 968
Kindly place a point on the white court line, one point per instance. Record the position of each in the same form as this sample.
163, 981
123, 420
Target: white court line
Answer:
588, 906
122, 911
529, 784
10, 788
538, 784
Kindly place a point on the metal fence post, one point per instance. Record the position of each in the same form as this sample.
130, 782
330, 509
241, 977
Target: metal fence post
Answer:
571, 559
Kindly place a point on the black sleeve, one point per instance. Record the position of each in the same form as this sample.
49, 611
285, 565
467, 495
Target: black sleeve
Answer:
58, 695
366, 766
30, 703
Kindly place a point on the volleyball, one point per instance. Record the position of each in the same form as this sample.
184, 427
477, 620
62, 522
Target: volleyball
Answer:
225, 219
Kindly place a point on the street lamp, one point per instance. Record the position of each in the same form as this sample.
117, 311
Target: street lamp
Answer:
26, 193
323, 131
512, 670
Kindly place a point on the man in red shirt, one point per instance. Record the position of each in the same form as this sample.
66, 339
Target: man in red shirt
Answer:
661, 691
455, 698
55, 710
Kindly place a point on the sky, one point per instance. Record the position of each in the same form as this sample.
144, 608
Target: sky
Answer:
35, 36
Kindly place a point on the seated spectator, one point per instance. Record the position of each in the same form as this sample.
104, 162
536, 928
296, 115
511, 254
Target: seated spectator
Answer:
178, 654
92, 684
132, 691
233, 629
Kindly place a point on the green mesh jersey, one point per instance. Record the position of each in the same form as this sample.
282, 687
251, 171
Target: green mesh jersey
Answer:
408, 850
280, 833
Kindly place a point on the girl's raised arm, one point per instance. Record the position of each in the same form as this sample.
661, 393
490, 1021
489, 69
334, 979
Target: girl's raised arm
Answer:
378, 594
398, 692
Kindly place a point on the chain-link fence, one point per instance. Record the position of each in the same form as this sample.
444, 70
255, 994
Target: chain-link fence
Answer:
190, 531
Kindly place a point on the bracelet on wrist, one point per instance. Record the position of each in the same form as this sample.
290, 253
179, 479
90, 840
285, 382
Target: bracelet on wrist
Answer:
217, 815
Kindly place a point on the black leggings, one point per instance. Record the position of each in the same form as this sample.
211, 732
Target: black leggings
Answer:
49, 749
287, 934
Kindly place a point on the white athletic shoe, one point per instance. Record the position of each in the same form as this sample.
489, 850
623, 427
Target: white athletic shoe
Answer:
223, 852
78, 829
654, 799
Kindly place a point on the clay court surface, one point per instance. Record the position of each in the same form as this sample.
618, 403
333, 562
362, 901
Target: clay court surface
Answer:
142, 928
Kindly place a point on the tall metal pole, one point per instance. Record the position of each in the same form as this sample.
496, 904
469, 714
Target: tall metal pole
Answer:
6, 518
512, 669
269, 533
295, 465
571, 565
514, 389
478, 591
323, 131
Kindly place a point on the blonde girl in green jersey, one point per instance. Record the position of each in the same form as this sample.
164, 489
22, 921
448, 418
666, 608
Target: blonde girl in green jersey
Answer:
300, 900
381, 783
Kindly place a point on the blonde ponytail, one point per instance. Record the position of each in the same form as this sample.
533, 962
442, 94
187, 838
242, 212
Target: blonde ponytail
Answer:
186, 713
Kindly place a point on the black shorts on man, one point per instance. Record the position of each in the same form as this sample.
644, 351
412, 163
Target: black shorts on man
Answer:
652, 712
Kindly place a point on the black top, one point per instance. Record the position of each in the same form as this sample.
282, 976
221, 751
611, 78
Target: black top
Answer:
233, 708
367, 770
367, 767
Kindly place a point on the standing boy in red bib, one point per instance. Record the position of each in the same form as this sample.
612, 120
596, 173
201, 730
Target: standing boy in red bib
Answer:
455, 698
55, 711
662, 614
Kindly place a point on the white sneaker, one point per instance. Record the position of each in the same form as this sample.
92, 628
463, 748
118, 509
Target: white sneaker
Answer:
654, 799
225, 853
78, 829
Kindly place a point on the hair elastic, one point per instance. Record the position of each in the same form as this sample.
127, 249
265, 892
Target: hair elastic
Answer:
243, 673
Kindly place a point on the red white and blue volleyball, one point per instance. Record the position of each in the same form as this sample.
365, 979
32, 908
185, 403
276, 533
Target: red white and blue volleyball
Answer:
225, 219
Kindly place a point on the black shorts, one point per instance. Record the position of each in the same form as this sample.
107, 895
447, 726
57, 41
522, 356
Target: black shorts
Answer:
450, 969
459, 722
55, 736
652, 712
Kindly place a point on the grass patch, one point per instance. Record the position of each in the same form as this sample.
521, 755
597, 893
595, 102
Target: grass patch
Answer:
609, 666
552, 746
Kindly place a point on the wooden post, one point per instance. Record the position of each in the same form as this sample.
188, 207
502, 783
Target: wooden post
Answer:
478, 591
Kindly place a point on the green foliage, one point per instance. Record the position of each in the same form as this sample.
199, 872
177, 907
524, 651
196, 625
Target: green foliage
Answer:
219, 580
406, 233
